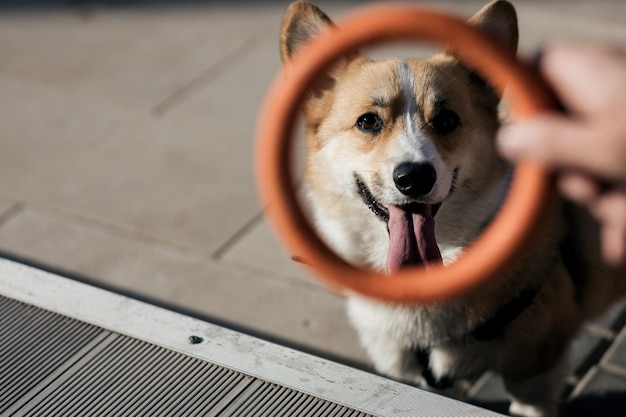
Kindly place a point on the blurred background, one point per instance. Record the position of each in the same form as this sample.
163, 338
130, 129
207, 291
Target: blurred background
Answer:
126, 148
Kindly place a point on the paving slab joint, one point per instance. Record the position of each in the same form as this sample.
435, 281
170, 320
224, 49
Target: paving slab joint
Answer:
239, 234
10, 213
186, 91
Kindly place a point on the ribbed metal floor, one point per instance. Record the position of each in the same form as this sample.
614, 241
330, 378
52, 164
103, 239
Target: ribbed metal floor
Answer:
51, 365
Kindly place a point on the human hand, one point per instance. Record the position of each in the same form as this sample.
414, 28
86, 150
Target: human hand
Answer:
587, 146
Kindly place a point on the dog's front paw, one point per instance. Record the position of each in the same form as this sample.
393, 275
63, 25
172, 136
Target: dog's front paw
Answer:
518, 409
401, 367
537, 396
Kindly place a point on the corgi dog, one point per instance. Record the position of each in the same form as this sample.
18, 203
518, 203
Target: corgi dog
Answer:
402, 169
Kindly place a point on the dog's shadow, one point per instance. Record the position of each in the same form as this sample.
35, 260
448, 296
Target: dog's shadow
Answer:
609, 404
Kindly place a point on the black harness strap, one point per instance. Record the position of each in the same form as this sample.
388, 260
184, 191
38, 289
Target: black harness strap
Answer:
495, 325
492, 328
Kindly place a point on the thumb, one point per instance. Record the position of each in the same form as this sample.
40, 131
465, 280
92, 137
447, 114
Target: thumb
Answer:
559, 142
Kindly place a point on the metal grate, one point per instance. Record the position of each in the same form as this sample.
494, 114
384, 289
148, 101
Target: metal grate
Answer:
35, 346
56, 366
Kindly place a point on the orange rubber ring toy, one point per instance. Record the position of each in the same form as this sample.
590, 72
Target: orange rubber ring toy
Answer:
506, 236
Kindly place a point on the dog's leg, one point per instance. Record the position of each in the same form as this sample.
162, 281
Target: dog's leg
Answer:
391, 356
537, 396
395, 361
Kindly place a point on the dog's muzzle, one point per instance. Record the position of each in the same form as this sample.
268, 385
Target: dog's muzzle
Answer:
411, 229
380, 210
375, 207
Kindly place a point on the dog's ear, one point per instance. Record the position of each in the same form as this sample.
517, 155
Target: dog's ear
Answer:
500, 19
301, 22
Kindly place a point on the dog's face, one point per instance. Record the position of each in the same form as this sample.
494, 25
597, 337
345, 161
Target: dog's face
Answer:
395, 133
401, 129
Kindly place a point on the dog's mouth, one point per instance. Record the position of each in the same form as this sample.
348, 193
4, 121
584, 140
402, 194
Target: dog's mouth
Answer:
411, 230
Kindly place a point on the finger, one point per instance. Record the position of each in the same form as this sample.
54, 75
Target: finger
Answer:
613, 242
560, 142
549, 138
578, 187
610, 210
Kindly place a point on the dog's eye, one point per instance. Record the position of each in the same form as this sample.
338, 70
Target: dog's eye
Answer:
445, 122
370, 123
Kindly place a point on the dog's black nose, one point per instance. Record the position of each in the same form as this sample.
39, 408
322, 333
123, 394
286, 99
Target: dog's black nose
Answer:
414, 179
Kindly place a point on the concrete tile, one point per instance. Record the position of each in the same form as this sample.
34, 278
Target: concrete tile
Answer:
133, 58
103, 157
5, 205
185, 182
539, 25
296, 314
608, 12
233, 99
259, 248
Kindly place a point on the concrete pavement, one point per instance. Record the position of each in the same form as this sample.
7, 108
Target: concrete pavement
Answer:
126, 141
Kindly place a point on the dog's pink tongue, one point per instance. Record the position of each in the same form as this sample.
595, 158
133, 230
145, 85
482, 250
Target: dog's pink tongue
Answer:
411, 237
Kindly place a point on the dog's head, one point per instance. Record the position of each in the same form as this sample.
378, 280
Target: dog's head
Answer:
397, 134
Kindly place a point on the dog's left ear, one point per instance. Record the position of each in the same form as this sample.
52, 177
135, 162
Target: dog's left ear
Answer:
301, 22
498, 18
